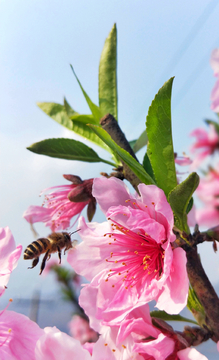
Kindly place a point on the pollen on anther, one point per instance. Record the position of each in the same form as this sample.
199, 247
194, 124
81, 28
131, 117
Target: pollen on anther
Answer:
113, 285
110, 243
124, 346
113, 350
9, 330
10, 299
153, 203
136, 252
107, 260
106, 280
105, 344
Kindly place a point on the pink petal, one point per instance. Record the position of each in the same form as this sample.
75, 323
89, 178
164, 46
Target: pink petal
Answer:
215, 97
209, 216
88, 257
110, 192
36, 214
190, 354
9, 255
18, 336
214, 61
160, 348
174, 297
56, 345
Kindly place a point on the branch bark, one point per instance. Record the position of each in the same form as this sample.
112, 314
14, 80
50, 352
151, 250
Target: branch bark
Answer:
111, 126
204, 291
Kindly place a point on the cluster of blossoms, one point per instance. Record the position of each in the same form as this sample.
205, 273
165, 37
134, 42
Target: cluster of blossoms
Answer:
129, 260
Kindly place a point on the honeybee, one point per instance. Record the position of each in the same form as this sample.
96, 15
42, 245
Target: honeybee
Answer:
54, 242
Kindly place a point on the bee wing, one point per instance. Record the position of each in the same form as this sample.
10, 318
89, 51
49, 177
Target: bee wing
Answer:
74, 243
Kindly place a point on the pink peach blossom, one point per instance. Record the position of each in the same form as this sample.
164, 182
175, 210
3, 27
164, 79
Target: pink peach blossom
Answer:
9, 255
62, 205
208, 193
183, 160
215, 92
56, 345
205, 144
18, 336
136, 337
80, 330
129, 259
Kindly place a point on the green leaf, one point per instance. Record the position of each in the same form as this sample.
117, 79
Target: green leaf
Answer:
140, 142
93, 108
57, 112
108, 76
68, 149
67, 117
195, 306
167, 317
137, 169
83, 119
80, 127
160, 146
147, 166
214, 123
179, 199
70, 112
190, 205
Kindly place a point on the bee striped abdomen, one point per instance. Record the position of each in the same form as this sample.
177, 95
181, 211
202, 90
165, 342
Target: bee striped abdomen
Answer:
36, 248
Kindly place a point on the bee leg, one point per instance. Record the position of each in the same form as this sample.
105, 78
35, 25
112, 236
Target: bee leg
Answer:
60, 254
34, 263
46, 256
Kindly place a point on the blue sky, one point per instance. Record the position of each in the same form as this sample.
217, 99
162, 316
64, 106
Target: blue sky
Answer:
39, 39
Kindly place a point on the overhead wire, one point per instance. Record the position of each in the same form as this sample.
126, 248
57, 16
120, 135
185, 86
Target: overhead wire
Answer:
188, 40
181, 51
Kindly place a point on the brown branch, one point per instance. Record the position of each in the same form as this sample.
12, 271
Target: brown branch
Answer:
111, 126
204, 291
